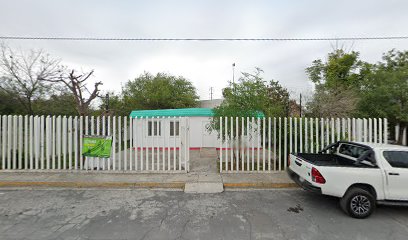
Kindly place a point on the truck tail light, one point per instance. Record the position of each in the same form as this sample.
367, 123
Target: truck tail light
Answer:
317, 177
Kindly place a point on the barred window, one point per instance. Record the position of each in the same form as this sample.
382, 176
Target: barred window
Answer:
153, 128
174, 131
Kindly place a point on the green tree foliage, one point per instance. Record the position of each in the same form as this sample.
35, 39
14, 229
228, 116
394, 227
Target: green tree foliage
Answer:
341, 69
338, 81
160, 91
9, 104
56, 104
348, 87
112, 105
385, 89
249, 97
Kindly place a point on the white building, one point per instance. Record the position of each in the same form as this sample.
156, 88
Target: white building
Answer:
166, 127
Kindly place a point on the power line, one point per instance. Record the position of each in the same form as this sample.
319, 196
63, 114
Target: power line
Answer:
202, 39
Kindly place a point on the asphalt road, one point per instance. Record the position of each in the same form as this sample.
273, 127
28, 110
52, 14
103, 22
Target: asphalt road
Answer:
146, 214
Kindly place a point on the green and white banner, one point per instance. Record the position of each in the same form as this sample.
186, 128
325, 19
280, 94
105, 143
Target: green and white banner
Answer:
97, 146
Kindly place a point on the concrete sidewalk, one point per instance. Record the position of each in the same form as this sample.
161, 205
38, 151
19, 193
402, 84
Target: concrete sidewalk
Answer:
204, 177
142, 180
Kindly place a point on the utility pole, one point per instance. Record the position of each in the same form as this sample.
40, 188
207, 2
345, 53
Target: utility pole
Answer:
233, 73
300, 105
211, 92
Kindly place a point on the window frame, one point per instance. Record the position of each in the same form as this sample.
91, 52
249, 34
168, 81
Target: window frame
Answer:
352, 145
391, 165
176, 126
154, 128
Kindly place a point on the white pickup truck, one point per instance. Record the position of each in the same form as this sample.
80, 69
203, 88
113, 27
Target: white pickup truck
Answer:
360, 174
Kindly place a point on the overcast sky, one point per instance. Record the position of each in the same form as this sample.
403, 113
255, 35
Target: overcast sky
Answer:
206, 64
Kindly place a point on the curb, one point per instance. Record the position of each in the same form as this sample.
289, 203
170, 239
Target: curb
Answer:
260, 185
179, 185
148, 185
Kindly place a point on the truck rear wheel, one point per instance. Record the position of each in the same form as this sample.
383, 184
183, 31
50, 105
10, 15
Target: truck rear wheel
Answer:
358, 203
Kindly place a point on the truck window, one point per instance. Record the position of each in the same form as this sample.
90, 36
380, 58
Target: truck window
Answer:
352, 150
397, 159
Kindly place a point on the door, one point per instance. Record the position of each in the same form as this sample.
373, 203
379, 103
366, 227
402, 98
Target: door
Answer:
396, 170
207, 138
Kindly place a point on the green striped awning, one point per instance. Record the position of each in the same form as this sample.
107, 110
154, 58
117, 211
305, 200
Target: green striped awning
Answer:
181, 112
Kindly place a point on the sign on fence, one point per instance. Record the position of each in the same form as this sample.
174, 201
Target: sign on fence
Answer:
97, 146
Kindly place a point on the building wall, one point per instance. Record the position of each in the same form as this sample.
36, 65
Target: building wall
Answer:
142, 138
210, 103
199, 135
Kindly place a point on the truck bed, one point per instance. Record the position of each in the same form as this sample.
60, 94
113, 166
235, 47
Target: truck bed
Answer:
329, 160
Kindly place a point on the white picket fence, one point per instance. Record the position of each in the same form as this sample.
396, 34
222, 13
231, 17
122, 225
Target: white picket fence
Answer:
263, 144
404, 138
54, 143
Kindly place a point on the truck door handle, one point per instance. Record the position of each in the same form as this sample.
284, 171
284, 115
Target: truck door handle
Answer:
393, 174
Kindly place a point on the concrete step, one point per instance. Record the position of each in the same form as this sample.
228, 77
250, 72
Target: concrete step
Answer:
208, 153
205, 183
204, 187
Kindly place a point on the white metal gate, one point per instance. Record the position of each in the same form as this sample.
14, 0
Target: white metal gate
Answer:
263, 144
53, 143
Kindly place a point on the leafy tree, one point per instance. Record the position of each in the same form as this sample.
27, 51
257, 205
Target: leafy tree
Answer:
56, 104
9, 104
22, 74
385, 90
346, 87
112, 104
340, 70
160, 91
250, 96
338, 81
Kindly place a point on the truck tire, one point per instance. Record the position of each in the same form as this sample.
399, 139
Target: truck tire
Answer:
358, 203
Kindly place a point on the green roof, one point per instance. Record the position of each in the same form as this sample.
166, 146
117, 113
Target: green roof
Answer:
181, 112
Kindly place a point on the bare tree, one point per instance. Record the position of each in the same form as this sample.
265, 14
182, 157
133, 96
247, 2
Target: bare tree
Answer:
23, 72
76, 83
332, 104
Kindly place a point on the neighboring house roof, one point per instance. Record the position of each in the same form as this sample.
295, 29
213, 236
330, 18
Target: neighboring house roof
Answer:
210, 103
180, 112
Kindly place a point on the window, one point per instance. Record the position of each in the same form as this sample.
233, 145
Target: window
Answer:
153, 128
397, 159
352, 150
174, 131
